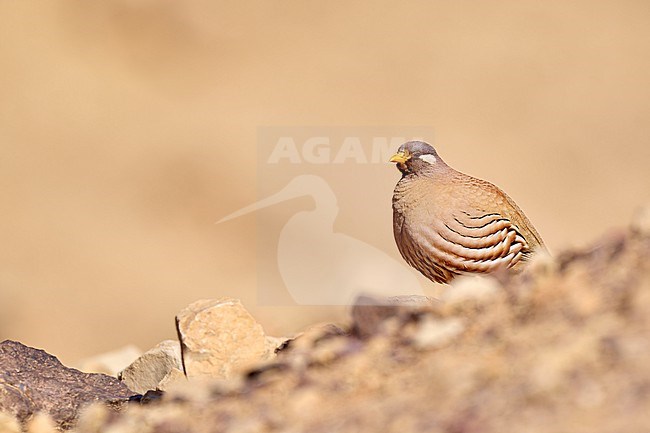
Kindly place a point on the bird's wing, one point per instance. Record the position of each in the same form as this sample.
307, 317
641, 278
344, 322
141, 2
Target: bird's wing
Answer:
478, 242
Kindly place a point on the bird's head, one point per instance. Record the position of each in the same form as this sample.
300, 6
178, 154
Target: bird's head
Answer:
415, 156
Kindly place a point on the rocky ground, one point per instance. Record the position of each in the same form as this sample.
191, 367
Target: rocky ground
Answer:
565, 346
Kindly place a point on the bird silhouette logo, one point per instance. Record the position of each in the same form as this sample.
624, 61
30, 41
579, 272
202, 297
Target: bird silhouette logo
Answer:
320, 266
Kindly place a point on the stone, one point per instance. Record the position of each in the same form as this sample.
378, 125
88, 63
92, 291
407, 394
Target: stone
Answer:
148, 397
370, 313
220, 339
171, 379
111, 363
32, 381
310, 337
146, 372
276, 344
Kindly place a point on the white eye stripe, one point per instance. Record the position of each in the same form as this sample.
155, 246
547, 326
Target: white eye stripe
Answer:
428, 158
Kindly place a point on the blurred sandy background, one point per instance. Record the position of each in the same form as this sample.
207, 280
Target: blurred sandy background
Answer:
127, 128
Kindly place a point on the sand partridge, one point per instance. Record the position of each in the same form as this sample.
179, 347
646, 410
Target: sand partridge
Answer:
447, 223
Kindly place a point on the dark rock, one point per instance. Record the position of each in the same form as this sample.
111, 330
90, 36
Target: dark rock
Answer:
311, 337
32, 380
146, 372
147, 398
370, 313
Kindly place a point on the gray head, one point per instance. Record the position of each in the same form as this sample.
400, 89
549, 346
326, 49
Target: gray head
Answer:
416, 156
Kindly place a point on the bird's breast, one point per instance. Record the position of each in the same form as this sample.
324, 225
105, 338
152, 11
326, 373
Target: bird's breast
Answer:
420, 200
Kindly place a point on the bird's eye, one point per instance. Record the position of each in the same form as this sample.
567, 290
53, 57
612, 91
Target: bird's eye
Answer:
430, 159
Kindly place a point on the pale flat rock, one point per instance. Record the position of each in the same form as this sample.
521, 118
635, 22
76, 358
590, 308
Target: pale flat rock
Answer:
172, 379
275, 343
146, 372
220, 339
110, 363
